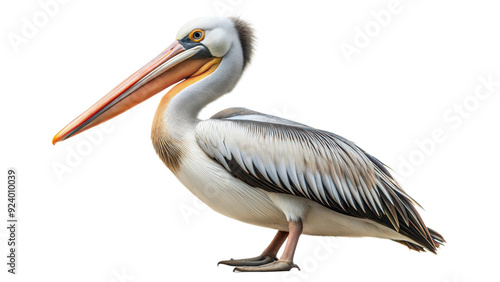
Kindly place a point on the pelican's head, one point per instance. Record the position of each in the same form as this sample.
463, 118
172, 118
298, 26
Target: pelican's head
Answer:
199, 48
217, 36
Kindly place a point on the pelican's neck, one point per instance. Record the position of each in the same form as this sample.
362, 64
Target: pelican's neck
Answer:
177, 114
183, 107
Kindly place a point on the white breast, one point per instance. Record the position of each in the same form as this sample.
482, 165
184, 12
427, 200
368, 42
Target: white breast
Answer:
218, 189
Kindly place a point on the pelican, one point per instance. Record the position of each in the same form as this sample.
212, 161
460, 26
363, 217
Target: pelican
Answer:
253, 167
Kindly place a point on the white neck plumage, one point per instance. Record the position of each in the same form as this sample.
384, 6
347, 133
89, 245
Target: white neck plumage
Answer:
184, 108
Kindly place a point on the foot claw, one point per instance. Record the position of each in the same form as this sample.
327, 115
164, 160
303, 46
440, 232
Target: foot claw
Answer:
278, 265
255, 261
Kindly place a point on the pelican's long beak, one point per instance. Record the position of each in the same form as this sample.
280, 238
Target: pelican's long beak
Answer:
171, 66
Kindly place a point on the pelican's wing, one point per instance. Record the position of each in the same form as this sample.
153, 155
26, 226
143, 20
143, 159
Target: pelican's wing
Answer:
283, 156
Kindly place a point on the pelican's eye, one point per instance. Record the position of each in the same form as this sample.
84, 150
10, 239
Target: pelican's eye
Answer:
197, 35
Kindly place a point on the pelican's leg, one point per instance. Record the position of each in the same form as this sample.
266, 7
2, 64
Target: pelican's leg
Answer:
267, 256
285, 263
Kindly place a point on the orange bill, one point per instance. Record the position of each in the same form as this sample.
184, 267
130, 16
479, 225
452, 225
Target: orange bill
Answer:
169, 67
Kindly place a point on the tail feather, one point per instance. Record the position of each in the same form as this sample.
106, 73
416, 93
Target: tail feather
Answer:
437, 240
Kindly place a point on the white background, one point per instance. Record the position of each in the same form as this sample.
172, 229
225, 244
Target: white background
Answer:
118, 214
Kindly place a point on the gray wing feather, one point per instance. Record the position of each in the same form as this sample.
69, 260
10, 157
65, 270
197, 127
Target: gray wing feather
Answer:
283, 156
